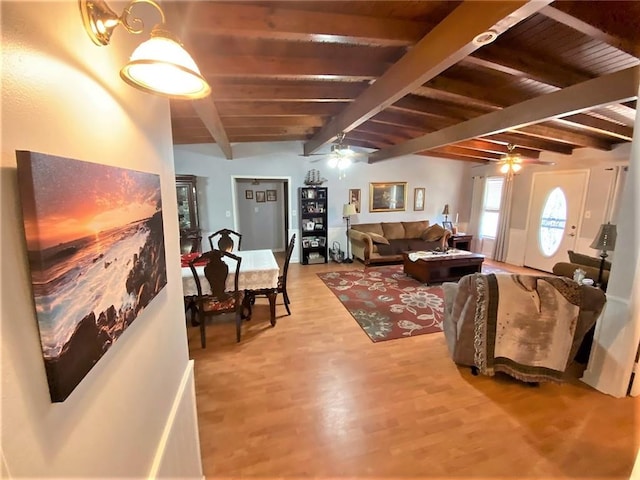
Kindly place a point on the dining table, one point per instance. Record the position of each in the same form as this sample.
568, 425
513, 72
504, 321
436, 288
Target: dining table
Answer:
259, 271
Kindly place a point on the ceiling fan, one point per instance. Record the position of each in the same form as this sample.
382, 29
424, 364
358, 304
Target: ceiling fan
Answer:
341, 155
512, 161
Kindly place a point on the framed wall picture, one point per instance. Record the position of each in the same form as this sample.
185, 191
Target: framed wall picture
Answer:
98, 268
418, 199
354, 197
272, 195
248, 194
260, 196
387, 197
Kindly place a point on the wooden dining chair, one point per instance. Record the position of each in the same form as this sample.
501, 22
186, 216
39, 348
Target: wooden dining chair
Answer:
220, 300
222, 240
282, 279
190, 242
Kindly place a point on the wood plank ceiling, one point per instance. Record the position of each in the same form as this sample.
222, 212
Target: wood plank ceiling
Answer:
406, 77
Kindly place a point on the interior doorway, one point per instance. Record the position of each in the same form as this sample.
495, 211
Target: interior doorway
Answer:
555, 213
261, 211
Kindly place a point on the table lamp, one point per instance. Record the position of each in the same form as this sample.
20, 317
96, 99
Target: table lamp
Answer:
348, 210
445, 212
604, 241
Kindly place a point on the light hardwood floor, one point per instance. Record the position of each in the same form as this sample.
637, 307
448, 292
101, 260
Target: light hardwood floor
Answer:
314, 397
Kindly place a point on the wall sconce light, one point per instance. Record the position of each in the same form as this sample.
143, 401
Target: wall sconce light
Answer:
160, 65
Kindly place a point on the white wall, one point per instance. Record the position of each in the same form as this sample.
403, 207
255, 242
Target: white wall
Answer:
601, 166
445, 182
261, 223
617, 333
62, 95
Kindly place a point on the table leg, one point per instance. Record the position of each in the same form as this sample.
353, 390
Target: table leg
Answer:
247, 301
273, 293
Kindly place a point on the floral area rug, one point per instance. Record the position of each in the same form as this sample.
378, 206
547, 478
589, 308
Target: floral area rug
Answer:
386, 303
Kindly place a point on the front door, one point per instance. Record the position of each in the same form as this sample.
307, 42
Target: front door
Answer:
554, 219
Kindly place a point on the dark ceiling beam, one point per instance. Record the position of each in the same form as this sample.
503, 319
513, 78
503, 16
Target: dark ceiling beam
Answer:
267, 138
275, 121
237, 131
362, 143
574, 139
411, 120
268, 23
497, 147
445, 45
289, 68
380, 129
597, 125
208, 113
467, 152
449, 156
571, 21
425, 125
426, 106
517, 138
437, 108
287, 109
288, 92
616, 87
525, 65
484, 98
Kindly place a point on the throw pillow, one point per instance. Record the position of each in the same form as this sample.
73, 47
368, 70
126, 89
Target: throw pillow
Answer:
414, 229
586, 260
433, 233
378, 238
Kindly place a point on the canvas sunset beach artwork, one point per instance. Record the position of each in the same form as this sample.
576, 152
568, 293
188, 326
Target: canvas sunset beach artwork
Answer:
95, 244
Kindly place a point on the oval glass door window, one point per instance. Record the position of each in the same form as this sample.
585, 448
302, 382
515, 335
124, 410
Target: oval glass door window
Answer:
553, 222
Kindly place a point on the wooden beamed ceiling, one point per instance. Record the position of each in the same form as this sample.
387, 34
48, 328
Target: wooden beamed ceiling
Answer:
403, 77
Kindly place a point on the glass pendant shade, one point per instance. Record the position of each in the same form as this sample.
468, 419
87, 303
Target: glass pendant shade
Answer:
162, 66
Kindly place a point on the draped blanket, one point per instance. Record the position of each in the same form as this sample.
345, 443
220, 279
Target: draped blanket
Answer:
529, 332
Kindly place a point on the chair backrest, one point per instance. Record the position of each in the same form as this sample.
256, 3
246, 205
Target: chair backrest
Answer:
292, 242
216, 271
221, 240
190, 243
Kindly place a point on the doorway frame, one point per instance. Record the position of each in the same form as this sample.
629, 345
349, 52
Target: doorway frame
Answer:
583, 201
234, 193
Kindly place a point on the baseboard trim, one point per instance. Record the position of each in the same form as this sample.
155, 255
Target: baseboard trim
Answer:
185, 393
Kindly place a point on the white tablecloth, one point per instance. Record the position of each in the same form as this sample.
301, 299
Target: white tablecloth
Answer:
258, 269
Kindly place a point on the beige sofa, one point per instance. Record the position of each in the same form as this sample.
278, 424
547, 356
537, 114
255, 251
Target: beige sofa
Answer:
385, 241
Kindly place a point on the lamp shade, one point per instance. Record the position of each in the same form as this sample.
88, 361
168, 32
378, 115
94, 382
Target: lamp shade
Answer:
445, 211
162, 66
349, 209
606, 238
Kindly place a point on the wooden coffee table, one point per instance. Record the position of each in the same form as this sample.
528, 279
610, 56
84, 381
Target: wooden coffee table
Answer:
442, 267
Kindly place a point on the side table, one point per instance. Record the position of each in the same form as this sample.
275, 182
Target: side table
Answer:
461, 241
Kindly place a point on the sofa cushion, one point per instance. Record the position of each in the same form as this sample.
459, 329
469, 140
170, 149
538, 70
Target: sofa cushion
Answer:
587, 261
433, 233
415, 229
378, 238
368, 228
393, 231
399, 245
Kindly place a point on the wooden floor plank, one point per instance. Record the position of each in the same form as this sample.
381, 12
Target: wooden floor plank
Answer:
314, 397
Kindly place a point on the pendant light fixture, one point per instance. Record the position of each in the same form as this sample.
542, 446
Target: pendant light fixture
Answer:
159, 65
